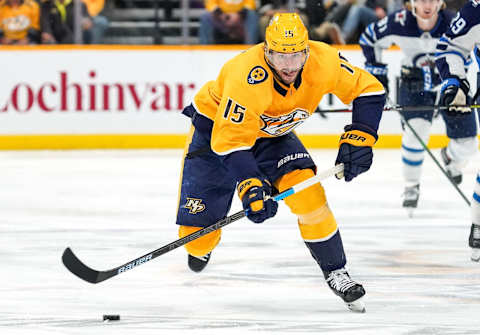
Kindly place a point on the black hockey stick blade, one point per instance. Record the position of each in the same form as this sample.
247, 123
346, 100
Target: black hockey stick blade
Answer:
79, 269
76, 266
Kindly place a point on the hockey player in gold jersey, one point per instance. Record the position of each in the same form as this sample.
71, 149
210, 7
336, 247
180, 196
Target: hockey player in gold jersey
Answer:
242, 139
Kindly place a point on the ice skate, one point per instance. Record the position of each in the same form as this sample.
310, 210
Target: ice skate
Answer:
474, 242
452, 171
410, 198
197, 264
350, 291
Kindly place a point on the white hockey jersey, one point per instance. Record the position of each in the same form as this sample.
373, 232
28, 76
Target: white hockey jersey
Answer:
401, 28
454, 47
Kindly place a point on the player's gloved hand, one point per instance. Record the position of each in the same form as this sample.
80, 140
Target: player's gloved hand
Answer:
253, 193
355, 150
380, 71
454, 92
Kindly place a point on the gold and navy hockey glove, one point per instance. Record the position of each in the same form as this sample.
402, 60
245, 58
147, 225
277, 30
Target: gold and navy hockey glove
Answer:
355, 150
253, 193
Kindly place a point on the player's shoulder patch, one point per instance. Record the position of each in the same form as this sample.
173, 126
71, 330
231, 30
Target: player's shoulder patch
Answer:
257, 75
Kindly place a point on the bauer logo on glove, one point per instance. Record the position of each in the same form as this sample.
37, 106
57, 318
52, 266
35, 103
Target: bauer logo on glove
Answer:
358, 138
352, 136
254, 194
355, 150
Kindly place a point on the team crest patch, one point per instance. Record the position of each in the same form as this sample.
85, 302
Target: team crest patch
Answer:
257, 75
281, 125
194, 205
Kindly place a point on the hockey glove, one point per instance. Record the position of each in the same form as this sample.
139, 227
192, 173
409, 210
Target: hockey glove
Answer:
252, 192
379, 70
355, 150
454, 92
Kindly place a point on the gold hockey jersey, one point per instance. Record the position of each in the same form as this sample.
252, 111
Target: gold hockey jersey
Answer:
16, 21
247, 102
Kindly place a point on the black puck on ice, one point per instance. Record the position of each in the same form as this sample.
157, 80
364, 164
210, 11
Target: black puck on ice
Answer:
111, 317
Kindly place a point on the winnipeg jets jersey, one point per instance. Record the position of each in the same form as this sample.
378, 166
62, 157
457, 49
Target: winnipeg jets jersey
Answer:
401, 28
453, 49
247, 101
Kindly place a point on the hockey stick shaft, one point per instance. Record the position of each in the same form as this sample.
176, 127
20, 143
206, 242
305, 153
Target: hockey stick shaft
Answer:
78, 268
398, 108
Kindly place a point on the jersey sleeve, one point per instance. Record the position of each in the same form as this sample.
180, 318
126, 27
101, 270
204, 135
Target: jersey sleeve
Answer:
357, 86
454, 47
237, 121
376, 37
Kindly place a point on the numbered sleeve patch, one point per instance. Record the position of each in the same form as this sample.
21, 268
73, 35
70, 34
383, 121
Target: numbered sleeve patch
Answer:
257, 75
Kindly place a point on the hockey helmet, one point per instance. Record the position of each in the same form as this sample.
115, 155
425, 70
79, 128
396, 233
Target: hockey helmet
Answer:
286, 33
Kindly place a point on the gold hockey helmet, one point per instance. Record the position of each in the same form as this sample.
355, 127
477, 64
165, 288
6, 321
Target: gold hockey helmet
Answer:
286, 33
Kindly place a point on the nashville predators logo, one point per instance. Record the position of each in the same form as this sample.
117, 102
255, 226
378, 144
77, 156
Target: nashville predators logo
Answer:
283, 124
257, 75
194, 205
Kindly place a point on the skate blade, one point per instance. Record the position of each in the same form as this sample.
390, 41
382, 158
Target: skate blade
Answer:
356, 306
475, 255
410, 211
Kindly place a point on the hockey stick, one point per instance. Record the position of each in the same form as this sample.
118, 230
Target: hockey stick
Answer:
78, 268
397, 108
434, 159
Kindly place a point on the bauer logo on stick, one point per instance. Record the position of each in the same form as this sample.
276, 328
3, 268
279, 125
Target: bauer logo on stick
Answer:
135, 263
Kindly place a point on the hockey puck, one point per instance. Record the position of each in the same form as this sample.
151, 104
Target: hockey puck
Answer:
111, 317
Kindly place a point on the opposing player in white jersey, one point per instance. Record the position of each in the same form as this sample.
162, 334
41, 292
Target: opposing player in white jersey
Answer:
453, 52
416, 30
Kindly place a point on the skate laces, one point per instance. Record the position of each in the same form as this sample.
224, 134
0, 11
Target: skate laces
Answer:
340, 280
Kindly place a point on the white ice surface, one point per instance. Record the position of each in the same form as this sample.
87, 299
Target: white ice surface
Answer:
113, 206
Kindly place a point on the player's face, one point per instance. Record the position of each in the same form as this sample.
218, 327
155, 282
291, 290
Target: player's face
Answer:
287, 65
426, 9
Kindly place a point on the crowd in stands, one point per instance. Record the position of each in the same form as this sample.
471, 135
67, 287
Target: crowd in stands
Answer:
223, 22
25, 22
331, 21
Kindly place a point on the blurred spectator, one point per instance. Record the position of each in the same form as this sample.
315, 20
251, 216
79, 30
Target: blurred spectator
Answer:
229, 21
58, 21
19, 22
320, 29
360, 14
394, 5
100, 22
351, 15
